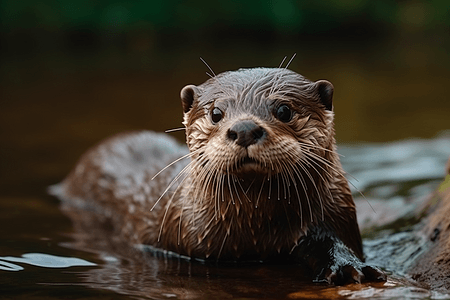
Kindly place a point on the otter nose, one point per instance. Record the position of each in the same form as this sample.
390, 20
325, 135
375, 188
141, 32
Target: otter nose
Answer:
246, 133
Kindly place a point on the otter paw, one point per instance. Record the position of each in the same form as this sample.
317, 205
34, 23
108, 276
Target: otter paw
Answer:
340, 275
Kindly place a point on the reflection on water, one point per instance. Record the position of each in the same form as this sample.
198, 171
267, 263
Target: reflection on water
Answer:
393, 171
394, 177
41, 260
403, 161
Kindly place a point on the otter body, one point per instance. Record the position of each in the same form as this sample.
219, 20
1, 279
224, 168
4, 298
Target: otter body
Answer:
260, 180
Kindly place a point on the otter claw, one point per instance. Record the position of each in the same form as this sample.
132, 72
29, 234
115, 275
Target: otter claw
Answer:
356, 275
325, 276
374, 274
348, 273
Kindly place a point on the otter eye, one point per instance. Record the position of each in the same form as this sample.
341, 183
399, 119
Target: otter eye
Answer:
216, 115
284, 113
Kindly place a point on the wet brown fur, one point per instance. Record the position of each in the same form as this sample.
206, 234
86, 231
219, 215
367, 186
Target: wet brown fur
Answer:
219, 208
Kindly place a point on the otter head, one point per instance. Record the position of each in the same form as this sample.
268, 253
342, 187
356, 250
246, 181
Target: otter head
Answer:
260, 121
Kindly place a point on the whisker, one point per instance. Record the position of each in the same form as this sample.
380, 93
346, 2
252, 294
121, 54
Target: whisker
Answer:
181, 212
285, 179
276, 86
310, 161
165, 213
222, 198
282, 62
289, 219
283, 168
223, 244
175, 179
289, 62
305, 170
163, 221
244, 192
288, 175
202, 178
175, 161
319, 148
329, 164
305, 188
229, 186
306, 160
248, 188
333, 166
311, 158
219, 190
211, 181
175, 129
171, 184
206, 64
278, 186
235, 188
259, 195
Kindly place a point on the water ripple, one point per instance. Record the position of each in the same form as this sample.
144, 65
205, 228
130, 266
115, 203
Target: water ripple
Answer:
41, 260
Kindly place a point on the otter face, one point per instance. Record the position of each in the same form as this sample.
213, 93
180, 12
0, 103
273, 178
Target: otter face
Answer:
258, 121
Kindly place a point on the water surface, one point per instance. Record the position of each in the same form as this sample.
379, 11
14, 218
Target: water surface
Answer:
391, 116
44, 255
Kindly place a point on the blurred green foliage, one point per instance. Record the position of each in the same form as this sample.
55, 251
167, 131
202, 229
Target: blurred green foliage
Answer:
278, 17
379, 54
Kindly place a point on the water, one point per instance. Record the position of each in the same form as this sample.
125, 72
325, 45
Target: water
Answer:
53, 107
45, 256
394, 177
9, 263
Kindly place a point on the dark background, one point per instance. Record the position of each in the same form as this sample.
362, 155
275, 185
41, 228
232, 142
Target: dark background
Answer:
74, 72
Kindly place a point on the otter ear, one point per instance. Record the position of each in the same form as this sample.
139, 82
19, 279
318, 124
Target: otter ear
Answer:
325, 90
188, 95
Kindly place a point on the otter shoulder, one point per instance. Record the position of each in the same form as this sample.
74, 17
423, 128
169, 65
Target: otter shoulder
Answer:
123, 165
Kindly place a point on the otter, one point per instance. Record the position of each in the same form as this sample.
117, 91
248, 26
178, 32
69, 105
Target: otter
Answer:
260, 179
